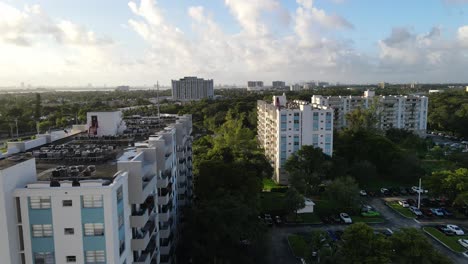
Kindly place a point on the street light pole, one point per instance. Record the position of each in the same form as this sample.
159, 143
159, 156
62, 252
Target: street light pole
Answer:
16, 121
419, 194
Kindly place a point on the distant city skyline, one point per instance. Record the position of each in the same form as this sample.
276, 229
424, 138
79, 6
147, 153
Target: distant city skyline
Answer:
121, 42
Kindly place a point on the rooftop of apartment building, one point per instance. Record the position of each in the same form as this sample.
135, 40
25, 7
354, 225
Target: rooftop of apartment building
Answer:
87, 157
281, 102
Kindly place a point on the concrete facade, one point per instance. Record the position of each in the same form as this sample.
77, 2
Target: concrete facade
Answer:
192, 88
404, 112
105, 123
284, 127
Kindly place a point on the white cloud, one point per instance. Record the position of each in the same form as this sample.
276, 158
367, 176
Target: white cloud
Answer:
462, 36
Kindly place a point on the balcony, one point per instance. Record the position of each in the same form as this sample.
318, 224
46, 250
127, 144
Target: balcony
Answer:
164, 199
141, 240
166, 246
165, 216
149, 254
165, 233
141, 217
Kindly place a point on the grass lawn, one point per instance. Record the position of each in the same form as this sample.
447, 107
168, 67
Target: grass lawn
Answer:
404, 211
272, 202
299, 246
450, 241
269, 184
377, 219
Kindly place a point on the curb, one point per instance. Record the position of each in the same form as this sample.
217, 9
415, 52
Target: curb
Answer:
445, 245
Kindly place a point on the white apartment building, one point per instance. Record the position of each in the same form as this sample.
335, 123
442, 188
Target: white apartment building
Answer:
403, 111
192, 88
74, 221
129, 212
283, 127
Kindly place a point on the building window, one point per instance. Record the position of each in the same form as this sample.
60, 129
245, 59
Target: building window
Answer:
121, 219
94, 229
42, 230
283, 122
92, 201
69, 231
97, 256
39, 202
71, 259
44, 258
67, 203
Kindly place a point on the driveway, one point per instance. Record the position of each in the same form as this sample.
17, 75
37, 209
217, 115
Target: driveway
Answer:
280, 252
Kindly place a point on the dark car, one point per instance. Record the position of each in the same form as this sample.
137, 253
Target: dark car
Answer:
426, 202
403, 191
411, 202
446, 212
336, 219
394, 191
410, 191
326, 220
427, 212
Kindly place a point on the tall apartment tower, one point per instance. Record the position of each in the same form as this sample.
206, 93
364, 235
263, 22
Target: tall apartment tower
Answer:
191, 89
283, 127
124, 211
394, 111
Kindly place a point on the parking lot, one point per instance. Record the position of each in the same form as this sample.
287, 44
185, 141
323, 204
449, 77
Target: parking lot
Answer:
280, 252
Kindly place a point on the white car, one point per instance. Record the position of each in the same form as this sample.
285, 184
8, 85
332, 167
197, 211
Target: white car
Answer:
403, 203
346, 219
437, 212
458, 231
416, 211
465, 254
417, 190
463, 242
363, 193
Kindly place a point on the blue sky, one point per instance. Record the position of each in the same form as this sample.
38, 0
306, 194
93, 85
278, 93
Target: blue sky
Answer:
233, 40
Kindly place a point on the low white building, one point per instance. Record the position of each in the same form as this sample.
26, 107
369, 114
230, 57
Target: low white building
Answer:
105, 123
308, 208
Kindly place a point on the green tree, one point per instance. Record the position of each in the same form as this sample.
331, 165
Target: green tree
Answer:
451, 184
307, 167
293, 200
361, 119
363, 171
361, 245
412, 247
343, 193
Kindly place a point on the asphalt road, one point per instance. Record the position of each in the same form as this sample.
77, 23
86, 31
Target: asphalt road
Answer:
280, 252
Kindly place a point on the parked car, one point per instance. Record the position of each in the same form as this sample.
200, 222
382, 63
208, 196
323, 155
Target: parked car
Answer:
336, 219
326, 220
416, 211
345, 218
465, 254
404, 203
426, 212
410, 191
278, 220
394, 191
403, 191
437, 212
411, 202
384, 191
457, 230
446, 212
463, 242
363, 193
268, 220
445, 230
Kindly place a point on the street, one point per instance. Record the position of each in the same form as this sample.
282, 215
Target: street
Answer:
280, 252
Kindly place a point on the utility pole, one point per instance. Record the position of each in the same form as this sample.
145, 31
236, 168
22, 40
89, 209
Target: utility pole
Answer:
16, 121
419, 194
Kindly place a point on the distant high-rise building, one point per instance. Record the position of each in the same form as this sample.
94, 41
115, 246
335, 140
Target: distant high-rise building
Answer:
283, 127
394, 111
192, 88
254, 85
278, 85
123, 88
